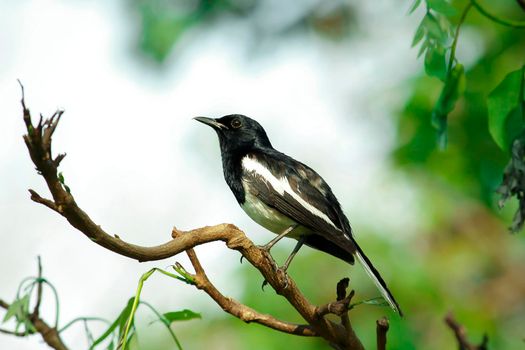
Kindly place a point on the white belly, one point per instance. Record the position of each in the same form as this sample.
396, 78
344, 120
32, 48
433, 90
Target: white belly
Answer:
269, 218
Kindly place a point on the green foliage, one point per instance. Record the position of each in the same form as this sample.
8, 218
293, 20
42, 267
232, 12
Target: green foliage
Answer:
379, 301
442, 6
436, 64
505, 103
19, 309
119, 333
183, 315
117, 326
166, 319
164, 22
436, 32
506, 109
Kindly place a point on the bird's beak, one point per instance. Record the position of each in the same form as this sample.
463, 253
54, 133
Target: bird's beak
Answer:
211, 122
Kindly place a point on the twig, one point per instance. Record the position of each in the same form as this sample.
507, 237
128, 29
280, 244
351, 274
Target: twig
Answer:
521, 3
38, 141
237, 309
381, 330
461, 335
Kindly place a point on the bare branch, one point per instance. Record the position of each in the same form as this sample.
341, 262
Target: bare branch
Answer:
239, 310
35, 197
461, 335
381, 330
38, 141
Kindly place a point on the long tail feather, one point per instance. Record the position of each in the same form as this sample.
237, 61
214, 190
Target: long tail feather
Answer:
378, 280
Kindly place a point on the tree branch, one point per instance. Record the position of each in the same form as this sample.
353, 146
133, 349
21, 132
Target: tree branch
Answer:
38, 141
461, 335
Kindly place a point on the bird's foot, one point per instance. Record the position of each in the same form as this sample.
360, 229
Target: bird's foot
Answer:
265, 247
283, 278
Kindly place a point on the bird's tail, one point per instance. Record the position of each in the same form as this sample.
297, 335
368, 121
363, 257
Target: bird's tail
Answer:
378, 280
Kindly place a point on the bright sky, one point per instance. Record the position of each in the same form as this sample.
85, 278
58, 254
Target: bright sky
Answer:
138, 164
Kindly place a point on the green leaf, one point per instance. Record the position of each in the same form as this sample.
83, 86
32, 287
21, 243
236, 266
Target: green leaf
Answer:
379, 301
414, 6
505, 103
442, 6
435, 63
119, 321
61, 178
183, 315
423, 48
435, 28
452, 90
420, 33
13, 310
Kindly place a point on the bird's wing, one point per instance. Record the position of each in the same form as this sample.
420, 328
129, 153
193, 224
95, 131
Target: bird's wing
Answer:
298, 192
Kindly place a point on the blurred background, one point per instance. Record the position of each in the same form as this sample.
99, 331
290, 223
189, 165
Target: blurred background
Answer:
335, 84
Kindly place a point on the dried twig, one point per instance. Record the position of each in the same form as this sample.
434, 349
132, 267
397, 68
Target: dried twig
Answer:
461, 335
381, 330
38, 141
521, 3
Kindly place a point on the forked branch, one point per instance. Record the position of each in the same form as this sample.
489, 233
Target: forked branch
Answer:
461, 335
340, 335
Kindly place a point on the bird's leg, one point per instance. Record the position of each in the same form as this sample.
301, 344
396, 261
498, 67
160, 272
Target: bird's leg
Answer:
270, 244
298, 246
284, 268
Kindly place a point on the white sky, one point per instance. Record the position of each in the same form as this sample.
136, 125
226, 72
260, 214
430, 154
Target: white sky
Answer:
138, 164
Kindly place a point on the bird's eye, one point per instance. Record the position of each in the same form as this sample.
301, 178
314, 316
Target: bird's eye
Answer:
236, 124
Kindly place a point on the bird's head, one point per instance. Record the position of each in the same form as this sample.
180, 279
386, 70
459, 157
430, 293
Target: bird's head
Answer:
237, 132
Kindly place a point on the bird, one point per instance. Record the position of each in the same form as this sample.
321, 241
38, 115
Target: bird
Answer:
286, 196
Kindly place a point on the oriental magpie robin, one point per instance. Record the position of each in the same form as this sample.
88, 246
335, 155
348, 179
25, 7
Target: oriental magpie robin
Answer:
286, 196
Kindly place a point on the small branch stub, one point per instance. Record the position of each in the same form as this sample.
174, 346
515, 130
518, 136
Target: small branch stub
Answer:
381, 330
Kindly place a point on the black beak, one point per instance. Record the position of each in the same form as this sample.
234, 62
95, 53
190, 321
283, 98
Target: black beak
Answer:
211, 122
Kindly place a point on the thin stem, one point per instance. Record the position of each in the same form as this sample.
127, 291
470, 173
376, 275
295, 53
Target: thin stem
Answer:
89, 336
32, 279
57, 302
142, 279
175, 339
521, 97
502, 21
456, 37
39, 289
78, 319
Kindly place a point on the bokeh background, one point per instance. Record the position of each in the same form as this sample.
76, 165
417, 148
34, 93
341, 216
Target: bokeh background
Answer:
336, 85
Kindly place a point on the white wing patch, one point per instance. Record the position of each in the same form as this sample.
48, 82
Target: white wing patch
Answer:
281, 186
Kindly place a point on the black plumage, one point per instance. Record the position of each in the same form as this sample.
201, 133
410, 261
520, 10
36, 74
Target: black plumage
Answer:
284, 195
